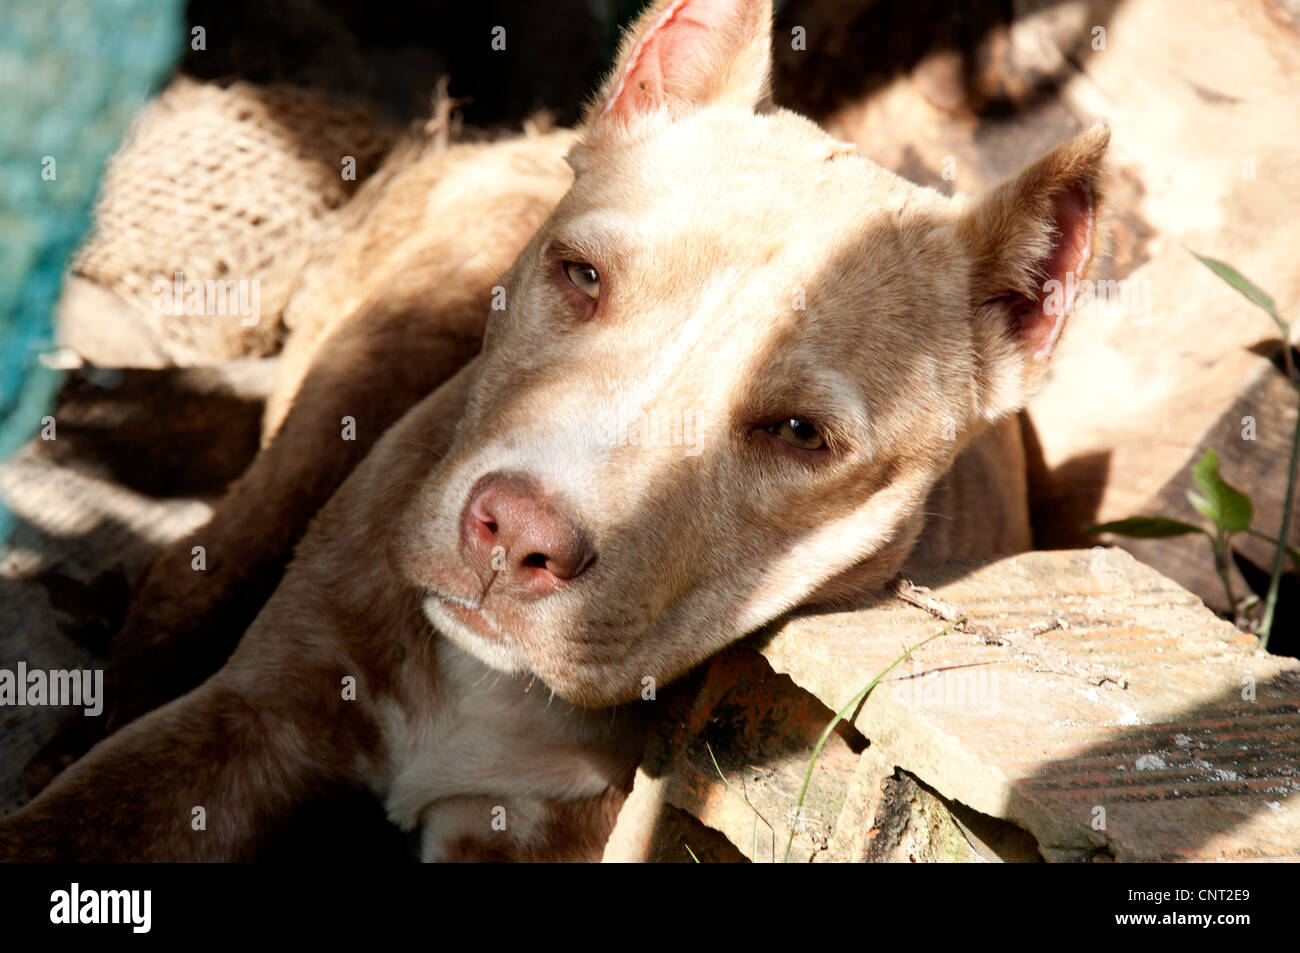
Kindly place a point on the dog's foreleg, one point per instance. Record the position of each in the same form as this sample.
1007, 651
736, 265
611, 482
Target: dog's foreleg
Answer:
181, 624
185, 621
208, 777
292, 714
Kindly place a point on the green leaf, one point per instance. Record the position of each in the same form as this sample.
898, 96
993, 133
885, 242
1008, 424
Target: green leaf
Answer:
1203, 506
1247, 287
1228, 507
1147, 527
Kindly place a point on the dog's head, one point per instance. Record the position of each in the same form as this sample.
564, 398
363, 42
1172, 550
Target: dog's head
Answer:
729, 369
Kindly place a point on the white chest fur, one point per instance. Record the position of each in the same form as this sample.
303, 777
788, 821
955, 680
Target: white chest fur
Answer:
496, 747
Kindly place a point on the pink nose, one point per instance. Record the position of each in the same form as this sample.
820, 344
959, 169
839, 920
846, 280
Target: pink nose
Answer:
508, 527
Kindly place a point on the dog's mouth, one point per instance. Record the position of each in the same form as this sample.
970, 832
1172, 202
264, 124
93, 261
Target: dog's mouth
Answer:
464, 622
466, 612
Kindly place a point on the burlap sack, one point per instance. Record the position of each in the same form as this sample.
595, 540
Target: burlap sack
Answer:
224, 183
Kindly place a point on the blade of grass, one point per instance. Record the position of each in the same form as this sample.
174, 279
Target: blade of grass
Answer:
1290, 550
691, 852
745, 798
1270, 601
839, 716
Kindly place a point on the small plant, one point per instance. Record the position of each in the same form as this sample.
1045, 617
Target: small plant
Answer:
1228, 509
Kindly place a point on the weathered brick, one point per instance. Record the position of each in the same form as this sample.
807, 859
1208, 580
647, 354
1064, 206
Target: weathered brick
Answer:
1112, 689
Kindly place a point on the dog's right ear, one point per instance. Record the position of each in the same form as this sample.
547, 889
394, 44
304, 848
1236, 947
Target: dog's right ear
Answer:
1031, 240
682, 55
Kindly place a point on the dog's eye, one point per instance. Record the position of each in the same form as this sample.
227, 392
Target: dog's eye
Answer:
798, 433
585, 278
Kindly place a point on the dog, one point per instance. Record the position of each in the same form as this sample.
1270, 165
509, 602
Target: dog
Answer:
469, 623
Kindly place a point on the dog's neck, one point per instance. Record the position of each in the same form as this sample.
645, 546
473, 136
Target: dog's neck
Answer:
488, 731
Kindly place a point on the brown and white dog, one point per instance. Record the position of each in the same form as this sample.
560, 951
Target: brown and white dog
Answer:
728, 375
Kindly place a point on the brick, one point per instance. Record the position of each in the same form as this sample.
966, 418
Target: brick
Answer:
762, 729
1093, 683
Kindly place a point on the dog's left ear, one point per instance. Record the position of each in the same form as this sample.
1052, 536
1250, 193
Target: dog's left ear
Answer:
1030, 240
684, 54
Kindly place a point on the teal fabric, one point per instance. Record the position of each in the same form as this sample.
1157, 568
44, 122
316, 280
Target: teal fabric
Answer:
73, 73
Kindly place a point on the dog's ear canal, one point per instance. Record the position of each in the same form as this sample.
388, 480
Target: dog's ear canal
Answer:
1031, 240
684, 54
